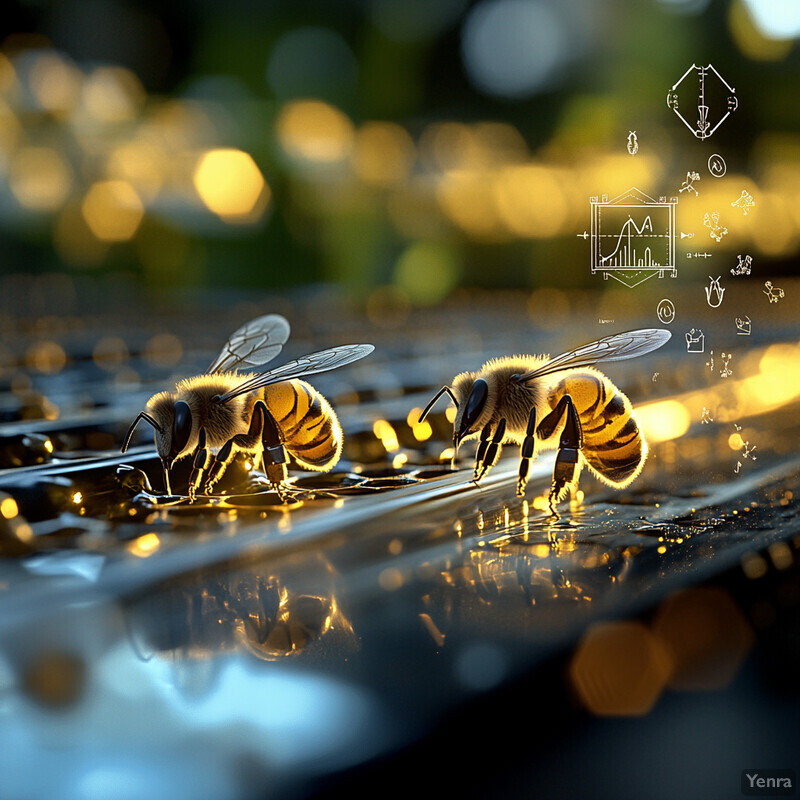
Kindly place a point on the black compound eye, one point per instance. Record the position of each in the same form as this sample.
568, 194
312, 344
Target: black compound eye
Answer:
181, 427
475, 403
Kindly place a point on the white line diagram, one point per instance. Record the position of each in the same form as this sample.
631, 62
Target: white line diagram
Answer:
633, 237
713, 97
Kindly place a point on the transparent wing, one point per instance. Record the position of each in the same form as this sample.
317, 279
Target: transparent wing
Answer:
252, 345
617, 347
323, 361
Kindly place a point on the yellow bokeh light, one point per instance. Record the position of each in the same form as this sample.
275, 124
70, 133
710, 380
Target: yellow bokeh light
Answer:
383, 153
231, 185
530, 200
8, 508
145, 545
113, 94
55, 82
315, 131
142, 164
664, 420
39, 178
386, 433
112, 210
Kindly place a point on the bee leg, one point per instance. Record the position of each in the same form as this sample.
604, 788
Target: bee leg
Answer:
566, 468
202, 461
242, 441
489, 449
273, 456
527, 453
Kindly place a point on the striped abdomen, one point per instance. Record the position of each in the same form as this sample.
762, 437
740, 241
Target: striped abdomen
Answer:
310, 428
613, 446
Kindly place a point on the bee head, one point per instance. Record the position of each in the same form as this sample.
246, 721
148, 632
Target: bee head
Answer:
475, 406
172, 422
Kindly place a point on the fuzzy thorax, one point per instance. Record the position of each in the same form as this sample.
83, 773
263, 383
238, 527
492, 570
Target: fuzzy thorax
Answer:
221, 421
506, 398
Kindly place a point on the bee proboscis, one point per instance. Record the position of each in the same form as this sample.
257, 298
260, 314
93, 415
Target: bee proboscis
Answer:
560, 402
269, 415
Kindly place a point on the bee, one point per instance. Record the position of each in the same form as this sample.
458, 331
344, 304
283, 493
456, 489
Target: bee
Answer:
268, 415
561, 402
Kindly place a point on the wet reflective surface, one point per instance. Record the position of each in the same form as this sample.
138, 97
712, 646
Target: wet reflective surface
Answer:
238, 647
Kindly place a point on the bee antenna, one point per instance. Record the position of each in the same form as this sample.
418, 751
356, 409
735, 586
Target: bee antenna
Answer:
438, 394
147, 418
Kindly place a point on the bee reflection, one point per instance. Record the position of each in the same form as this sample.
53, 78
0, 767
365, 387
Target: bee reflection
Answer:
197, 618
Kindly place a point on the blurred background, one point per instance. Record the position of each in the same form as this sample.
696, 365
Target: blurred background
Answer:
418, 174
400, 151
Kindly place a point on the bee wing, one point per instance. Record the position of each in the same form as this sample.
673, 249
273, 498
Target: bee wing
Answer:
617, 347
252, 345
322, 361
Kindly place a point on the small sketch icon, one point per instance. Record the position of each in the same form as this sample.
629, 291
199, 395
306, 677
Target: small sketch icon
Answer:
743, 267
633, 143
695, 341
738, 467
712, 99
773, 293
706, 417
655, 376
716, 291
688, 184
711, 221
716, 165
743, 326
744, 201
726, 371
710, 362
666, 311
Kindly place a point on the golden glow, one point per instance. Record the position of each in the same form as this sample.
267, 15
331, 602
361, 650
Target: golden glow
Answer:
754, 566
422, 430
531, 201
46, 357
387, 434
77, 498
447, 454
399, 460
145, 545
8, 508
54, 82
315, 131
465, 198
383, 154
231, 185
450, 414
663, 420
390, 579
141, 164
781, 555
48, 445
735, 441
706, 635
619, 669
39, 178
113, 94
112, 210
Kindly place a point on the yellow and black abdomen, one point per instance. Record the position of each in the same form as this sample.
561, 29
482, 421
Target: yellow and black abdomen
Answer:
311, 430
613, 445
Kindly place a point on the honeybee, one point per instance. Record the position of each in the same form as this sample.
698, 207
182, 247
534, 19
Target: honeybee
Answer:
523, 398
269, 415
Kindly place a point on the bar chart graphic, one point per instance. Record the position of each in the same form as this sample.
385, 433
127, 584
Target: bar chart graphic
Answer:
633, 237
